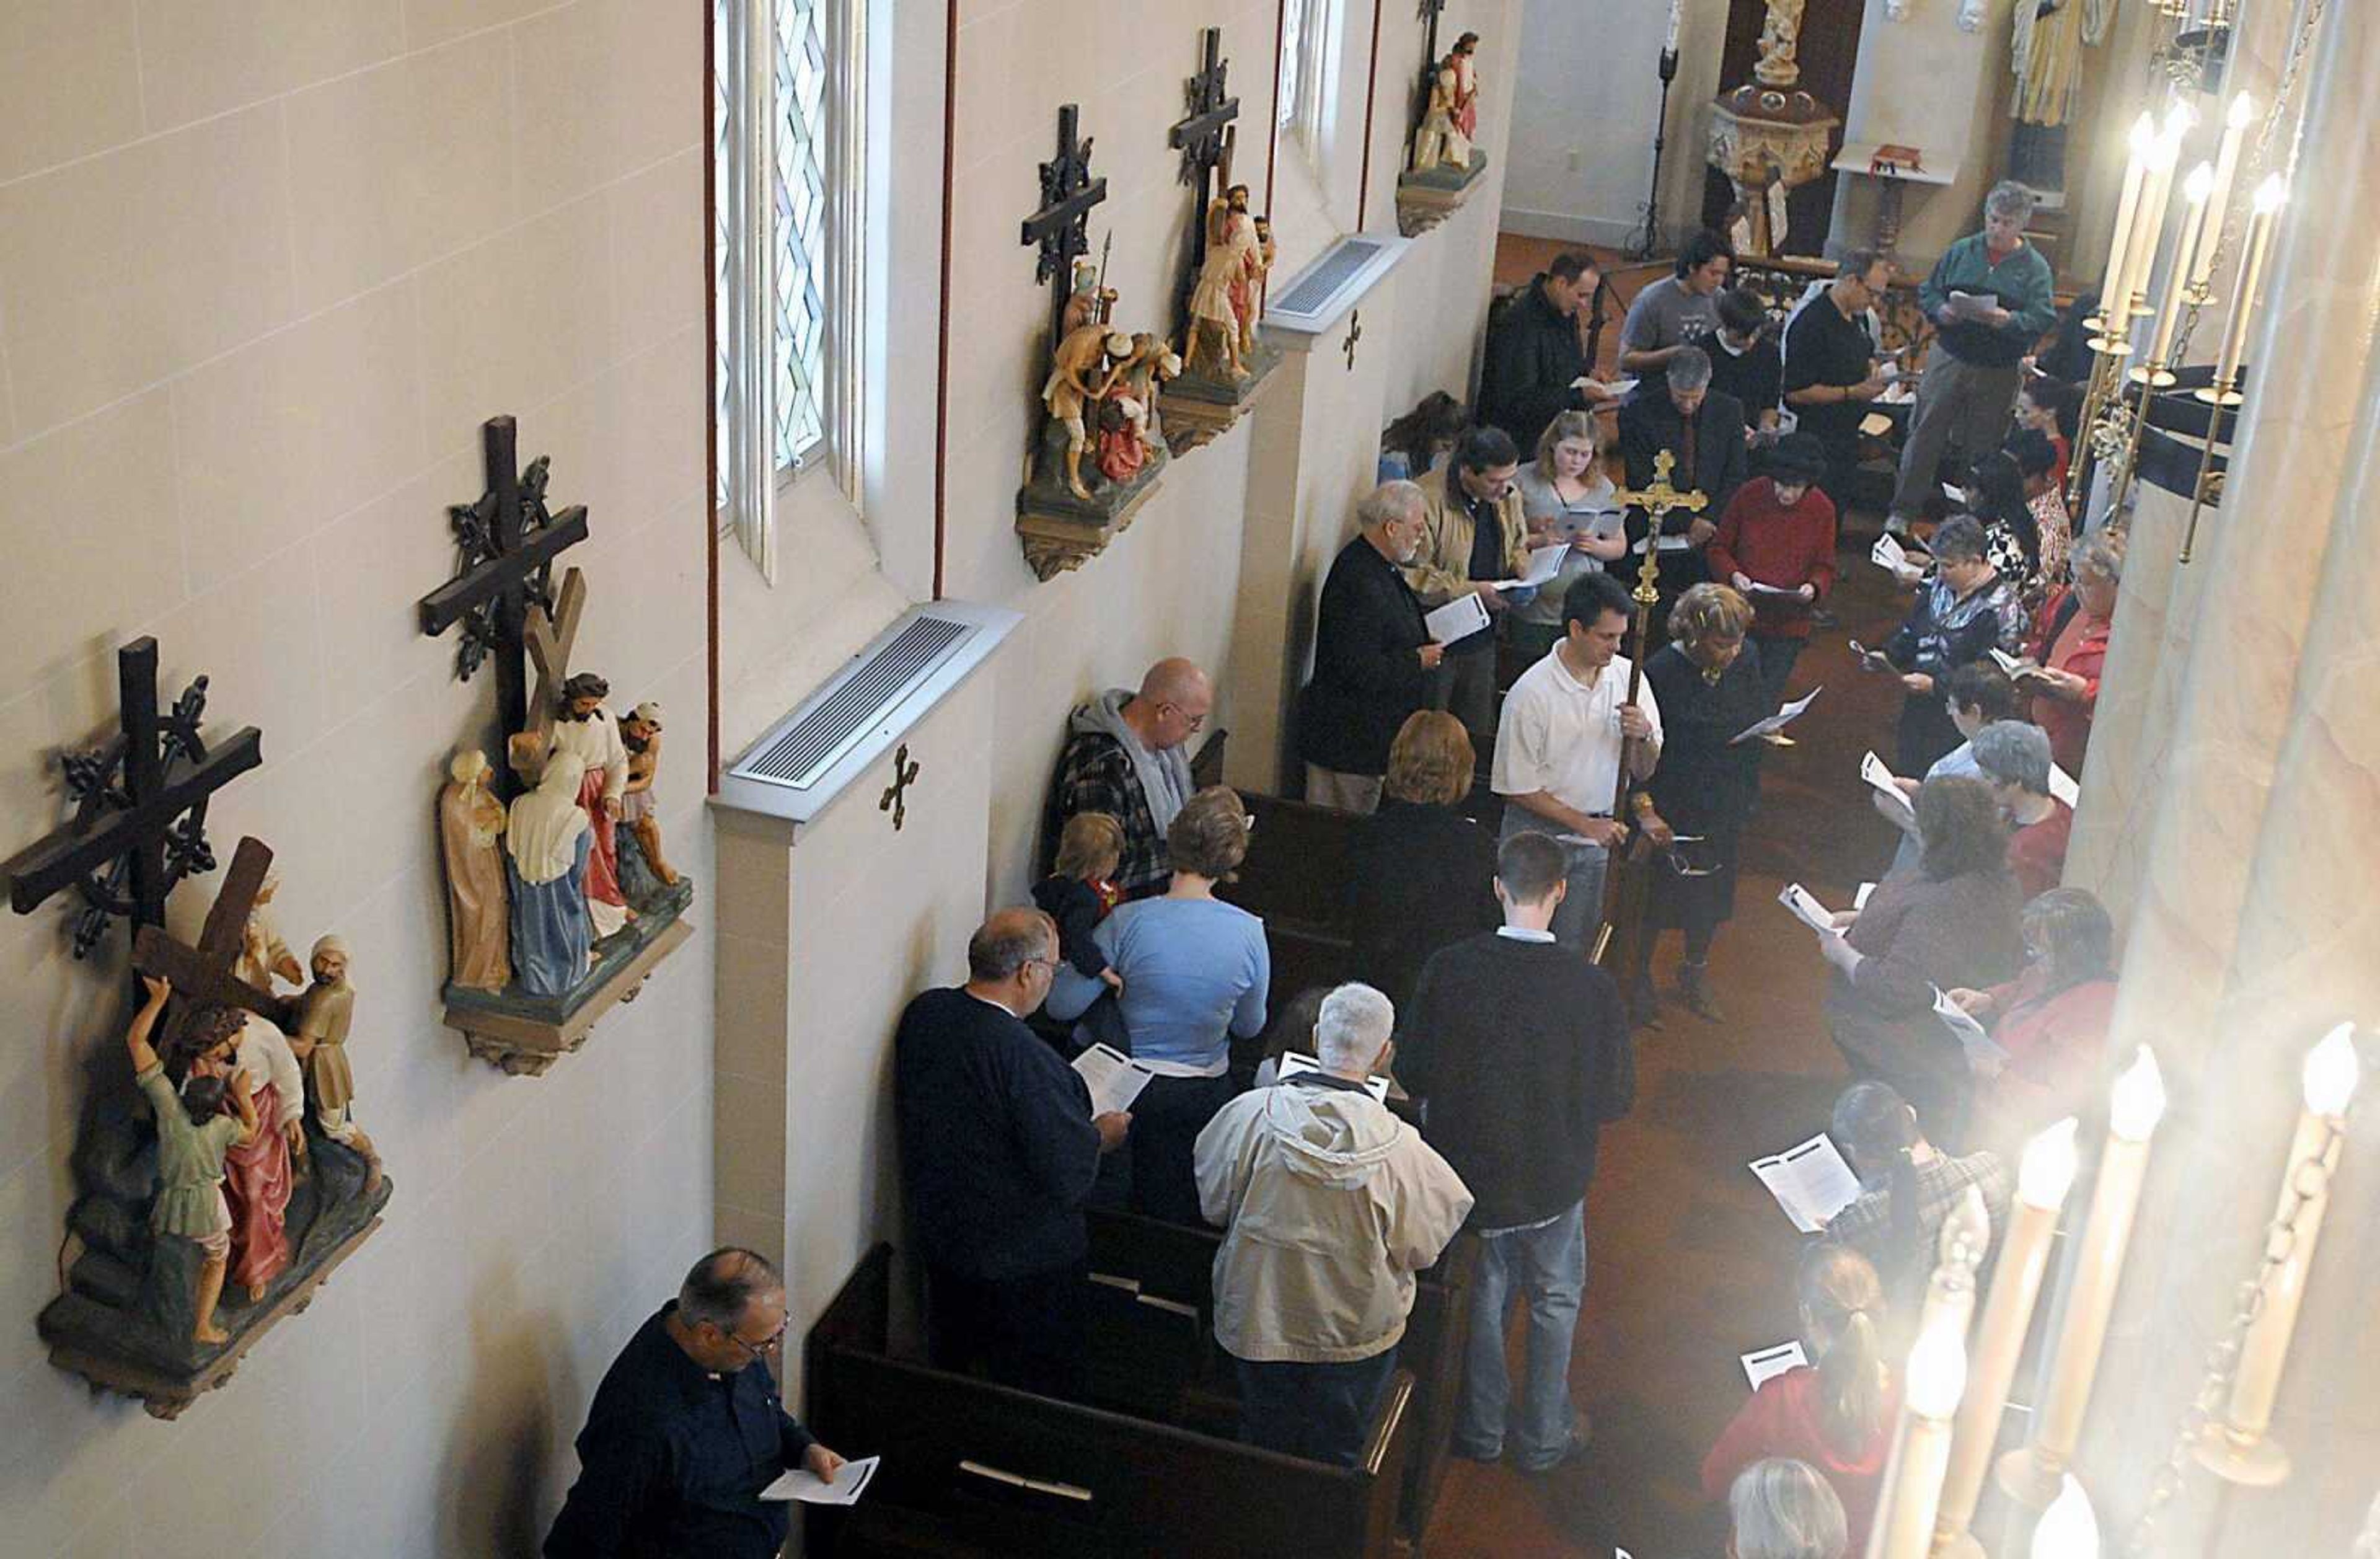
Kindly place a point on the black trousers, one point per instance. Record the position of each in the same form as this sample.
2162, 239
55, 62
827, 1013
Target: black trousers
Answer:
1319, 1411
1166, 1121
1027, 1332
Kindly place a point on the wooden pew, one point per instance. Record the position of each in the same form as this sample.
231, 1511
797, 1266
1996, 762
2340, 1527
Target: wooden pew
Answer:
973, 1470
1147, 1266
1296, 877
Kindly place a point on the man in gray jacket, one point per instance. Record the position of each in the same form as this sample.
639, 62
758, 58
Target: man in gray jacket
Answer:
1334, 1205
1127, 755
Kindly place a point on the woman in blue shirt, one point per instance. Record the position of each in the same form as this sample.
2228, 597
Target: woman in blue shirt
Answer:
1195, 972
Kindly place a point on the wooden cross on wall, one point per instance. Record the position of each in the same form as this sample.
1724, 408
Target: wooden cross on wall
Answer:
203, 976
895, 798
140, 824
1355, 333
509, 541
550, 642
1429, 12
1062, 225
1199, 133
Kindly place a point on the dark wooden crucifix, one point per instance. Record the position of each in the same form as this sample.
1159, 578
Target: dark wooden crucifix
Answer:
1062, 225
203, 976
1429, 12
509, 540
895, 798
140, 809
1201, 132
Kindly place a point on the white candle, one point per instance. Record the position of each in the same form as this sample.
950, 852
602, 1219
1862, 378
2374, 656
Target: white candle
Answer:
2270, 196
2043, 1179
2226, 164
2136, 167
2030, 1474
1677, 18
2194, 191
2148, 221
2068, 1528
1935, 1378
2238, 1448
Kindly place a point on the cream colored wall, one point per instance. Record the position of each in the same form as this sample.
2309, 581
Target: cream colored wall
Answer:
263, 270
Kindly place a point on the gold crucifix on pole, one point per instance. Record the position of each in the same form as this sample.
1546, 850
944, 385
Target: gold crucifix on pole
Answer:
1658, 498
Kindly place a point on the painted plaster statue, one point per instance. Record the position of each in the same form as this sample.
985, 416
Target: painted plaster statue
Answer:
197, 1126
642, 732
1780, 36
1153, 365
1085, 300
548, 842
2048, 54
260, 1173
1080, 376
1463, 60
1250, 302
584, 727
1438, 144
325, 1014
264, 956
1213, 349
470, 823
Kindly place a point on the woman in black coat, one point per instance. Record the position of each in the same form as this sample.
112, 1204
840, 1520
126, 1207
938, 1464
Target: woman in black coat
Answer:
1422, 875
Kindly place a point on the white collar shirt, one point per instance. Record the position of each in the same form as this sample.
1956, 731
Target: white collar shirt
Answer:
1561, 736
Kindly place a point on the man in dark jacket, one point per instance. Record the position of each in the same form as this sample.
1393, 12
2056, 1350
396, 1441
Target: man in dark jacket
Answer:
1520, 1050
1704, 429
1127, 755
999, 1151
1533, 358
1372, 655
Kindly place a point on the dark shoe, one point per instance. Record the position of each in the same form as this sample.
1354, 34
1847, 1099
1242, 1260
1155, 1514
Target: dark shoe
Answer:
1485, 1458
1694, 985
1572, 1448
1644, 1004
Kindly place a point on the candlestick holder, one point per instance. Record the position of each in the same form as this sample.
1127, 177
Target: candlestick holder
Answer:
2222, 396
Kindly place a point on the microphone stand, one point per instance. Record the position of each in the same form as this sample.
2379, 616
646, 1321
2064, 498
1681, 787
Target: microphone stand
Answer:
1648, 235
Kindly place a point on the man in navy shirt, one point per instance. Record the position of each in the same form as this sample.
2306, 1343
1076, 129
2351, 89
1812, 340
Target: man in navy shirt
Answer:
687, 1429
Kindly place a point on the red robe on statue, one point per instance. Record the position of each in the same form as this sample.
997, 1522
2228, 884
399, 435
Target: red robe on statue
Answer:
603, 860
257, 1186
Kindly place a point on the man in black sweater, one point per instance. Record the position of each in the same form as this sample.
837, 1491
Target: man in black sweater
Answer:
999, 1151
1535, 360
1518, 1049
1703, 428
1372, 655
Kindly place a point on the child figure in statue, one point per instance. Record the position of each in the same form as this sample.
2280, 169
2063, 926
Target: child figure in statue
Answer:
641, 733
193, 1135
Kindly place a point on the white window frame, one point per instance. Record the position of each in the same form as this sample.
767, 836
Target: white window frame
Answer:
1306, 46
763, 449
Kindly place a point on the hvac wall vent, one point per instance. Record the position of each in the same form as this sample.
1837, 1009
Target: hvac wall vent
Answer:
1319, 296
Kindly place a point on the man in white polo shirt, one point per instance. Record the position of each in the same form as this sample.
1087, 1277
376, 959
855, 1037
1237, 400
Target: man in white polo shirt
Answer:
1558, 744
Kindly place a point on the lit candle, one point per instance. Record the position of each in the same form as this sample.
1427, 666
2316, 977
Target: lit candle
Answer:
1677, 18
2068, 1528
1932, 1384
2140, 252
2238, 1448
2270, 195
2227, 163
2194, 191
2043, 1178
2136, 167
2030, 1474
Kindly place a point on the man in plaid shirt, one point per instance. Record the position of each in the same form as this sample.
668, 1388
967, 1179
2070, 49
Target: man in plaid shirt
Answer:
1126, 756
1879, 1132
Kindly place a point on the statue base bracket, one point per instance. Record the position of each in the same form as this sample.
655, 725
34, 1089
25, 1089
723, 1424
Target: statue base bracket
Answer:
1199, 409
1428, 198
1062, 532
523, 1034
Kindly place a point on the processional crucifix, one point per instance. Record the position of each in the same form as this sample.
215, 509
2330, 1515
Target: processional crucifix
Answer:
509, 540
1062, 225
140, 809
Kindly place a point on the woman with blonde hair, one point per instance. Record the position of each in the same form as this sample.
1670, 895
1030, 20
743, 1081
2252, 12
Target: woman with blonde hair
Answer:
1707, 681
1780, 1509
1422, 875
1565, 496
1836, 1413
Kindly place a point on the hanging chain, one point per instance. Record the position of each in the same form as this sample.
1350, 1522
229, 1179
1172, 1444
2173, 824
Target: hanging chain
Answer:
2309, 1183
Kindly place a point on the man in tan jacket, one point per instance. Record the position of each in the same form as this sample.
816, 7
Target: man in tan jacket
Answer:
1473, 534
1333, 1206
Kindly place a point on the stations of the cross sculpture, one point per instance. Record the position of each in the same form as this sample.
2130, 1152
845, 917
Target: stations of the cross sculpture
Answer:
1230, 251
1442, 163
220, 1174
560, 901
1097, 447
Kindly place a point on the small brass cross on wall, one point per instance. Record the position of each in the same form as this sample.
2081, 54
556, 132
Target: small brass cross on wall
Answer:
1355, 333
895, 798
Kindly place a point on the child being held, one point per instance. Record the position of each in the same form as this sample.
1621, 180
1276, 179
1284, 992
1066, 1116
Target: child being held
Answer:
1080, 892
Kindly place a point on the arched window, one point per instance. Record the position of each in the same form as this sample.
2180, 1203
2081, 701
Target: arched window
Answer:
787, 88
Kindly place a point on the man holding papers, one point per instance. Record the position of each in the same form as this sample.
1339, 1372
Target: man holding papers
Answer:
1567, 723
999, 1151
1373, 655
1473, 535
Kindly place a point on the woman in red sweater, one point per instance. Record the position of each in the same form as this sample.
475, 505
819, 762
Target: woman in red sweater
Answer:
1775, 546
2072, 648
2052, 1019
1836, 1414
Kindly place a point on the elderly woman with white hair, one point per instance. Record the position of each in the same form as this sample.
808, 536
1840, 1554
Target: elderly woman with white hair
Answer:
1783, 1509
2072, 648
1373, 655
2013, 759
1991, 298
1333, 1206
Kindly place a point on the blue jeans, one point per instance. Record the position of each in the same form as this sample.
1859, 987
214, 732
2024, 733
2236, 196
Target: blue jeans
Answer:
1548, 1265
1319, 1411
1580, 914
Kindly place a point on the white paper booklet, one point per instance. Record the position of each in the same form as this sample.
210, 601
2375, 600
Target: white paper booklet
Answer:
1896, 559
800, 1483
1811, 1183
1981, 1048
1115, 1078
1778, 591
2064, 787
1785, 715
1544, 564
1805, 908
1669, 543
1872, 770
1459, 619
2015, 666
1858, 899
1768, 1362
1292, 1063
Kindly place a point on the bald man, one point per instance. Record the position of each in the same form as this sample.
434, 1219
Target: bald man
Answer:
1127, 756
999, 1151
